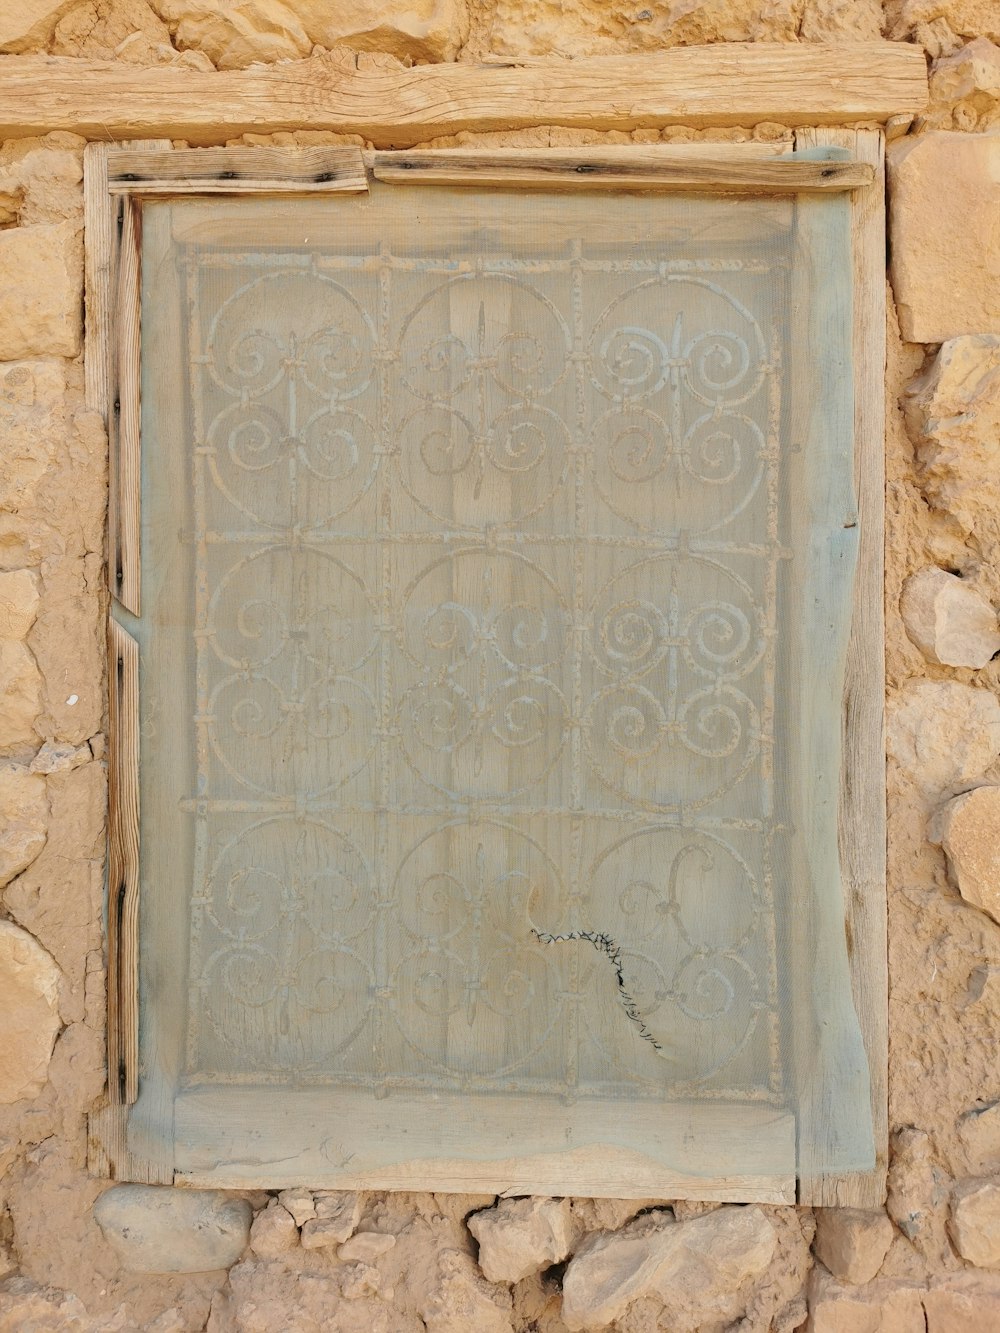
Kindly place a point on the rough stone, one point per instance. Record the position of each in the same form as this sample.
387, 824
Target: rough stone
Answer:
942, 734
365, 1246
41, 278
20, 699
965, 18
267, 30
963, 1303
979, 1133
841, 20
700, 1269
521, 1236
461, 1300
950, 622
852, 1242
883, 1307
28, 1307
953, 415
300, 1203
968, 828
157, 1229
917, 1193
273, 1232
24, 810
29, 1001
112, 30
18, 603
944, 222
27, 25
975, 1222
337, 1214
965, 89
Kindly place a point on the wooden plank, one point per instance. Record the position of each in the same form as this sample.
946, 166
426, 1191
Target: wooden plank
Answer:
231, 1137
729, 84
619, 168
101, 243
125, 530
862, 798
109, 1155
237, 171
123, 865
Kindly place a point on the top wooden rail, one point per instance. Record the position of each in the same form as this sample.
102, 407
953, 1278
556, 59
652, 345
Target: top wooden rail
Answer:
729, 84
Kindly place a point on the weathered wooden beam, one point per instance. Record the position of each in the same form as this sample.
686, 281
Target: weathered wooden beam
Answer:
237, 171
620, 168
728, 84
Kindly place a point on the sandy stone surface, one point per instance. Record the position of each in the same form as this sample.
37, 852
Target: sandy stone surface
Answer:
944, 735
975, 1222
28, 24
884, 1307
267, 30
29, 999
968, 828
944, 223
950, 622
521, 1236
41, 270
965, 89
156, 1229
24, 812
700, 1269
852, 1242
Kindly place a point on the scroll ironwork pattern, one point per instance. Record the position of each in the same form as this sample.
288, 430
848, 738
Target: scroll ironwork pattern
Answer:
486, 557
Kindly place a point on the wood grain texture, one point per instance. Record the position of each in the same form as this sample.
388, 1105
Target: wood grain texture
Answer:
862, 801
101, 244
625, 168
123, 865
291, 1139
125, 528
729, 84
109, 1155
237, 171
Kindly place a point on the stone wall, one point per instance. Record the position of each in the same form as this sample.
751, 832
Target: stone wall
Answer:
457, 1263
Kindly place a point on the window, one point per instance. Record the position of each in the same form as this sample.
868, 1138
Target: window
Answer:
486, 655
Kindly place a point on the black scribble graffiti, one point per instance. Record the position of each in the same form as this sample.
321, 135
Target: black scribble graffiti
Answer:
613, 952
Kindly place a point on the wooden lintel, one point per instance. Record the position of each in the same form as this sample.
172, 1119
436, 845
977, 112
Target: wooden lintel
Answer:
237, 171
729, 84
658, 167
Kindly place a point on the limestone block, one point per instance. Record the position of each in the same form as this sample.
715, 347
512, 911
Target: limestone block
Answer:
883, 1307
968, 828
841, 20
852, 1242
975, 1222
364, 1247
944, 223
522, 1236
29, 990
27, 25
461, 1300
979, 1132
953, 415
234, 36
965, 88
20, 698
273, 1232
337, 1214
24, 812
917, 1192
967, 18
949, 621
28, 1307
942, 734
41, 291
604, 27
18, 603
157, 1229
32, 398
300, 1203
111, 30
963, 1303
702, 1270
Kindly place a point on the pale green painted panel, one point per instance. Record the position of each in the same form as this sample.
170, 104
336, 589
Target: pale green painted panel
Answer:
489, 724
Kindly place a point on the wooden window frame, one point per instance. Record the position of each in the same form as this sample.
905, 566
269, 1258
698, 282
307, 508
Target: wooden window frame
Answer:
112, 366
